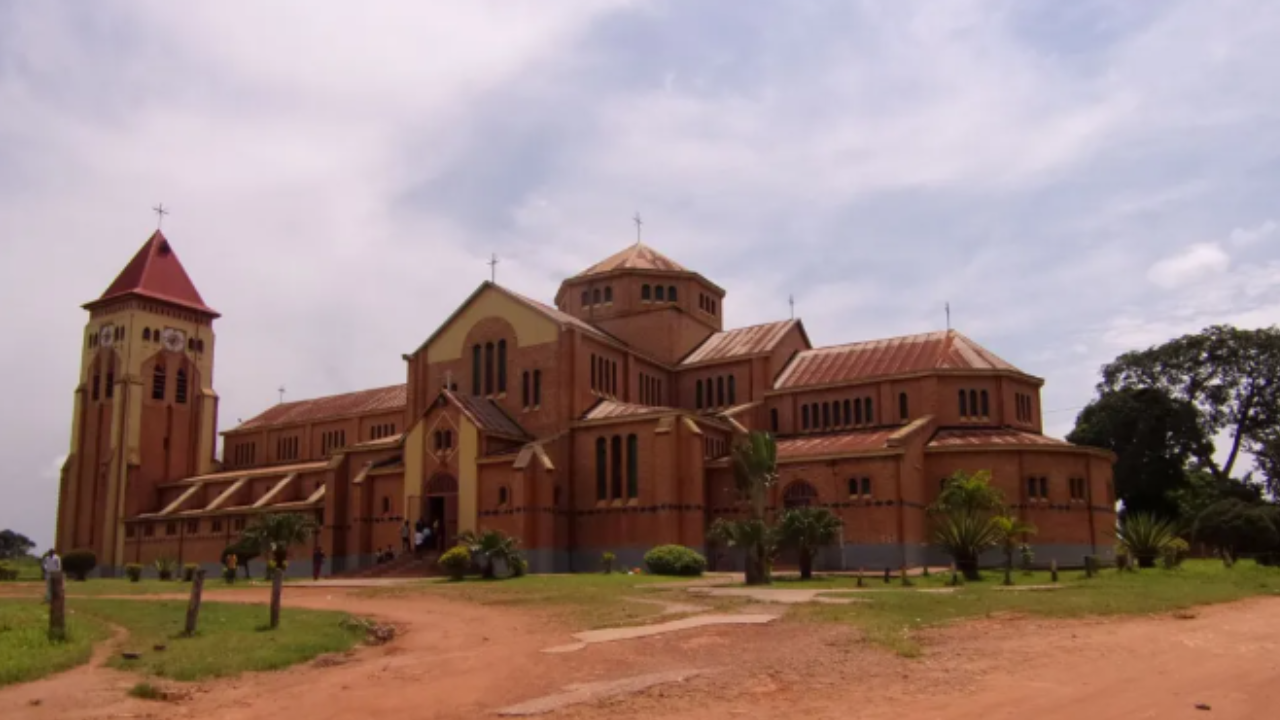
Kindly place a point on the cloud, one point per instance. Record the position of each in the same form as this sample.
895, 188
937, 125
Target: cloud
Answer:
1248, 237
1190, 266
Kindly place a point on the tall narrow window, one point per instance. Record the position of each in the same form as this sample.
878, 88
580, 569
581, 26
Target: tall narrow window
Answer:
488, 368
697, 395
537, 388
973, 402
615, 465
97, 385
857, 411
732, 391
986, 408
671, 293
826, 415
633, 466
157, 383
1032, 487
146, 334
524, 389
964, 408
475, 370
613, 378
866, 486
595, 296
659, 293
593, 371
773, 419
586, 299
903, 412
502, 366
602, 471
720, 391
804, 417
111, 384
180, 387
871, 412
645, 295
608, 294
1044, 488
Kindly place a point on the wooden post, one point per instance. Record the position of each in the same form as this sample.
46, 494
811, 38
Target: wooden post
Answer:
57, 607
1053, 570
193, 607
277, 579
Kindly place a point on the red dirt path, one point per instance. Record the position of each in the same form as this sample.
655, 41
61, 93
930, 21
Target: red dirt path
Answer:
458, 660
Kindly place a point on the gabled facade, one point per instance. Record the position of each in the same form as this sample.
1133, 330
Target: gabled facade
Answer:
604, 423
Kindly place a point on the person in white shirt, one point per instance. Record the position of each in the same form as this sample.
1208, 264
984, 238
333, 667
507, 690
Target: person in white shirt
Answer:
50, 564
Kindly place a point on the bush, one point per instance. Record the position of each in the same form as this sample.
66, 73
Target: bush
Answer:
229, 574
165, 567
674, 560
606, 562
519, 566
1174, 553
189, 572
133, 571
8, 572
456, 562
79, 563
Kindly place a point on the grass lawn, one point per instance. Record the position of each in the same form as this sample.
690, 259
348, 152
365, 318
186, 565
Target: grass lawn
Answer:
25, 651
98, 587
892, 613
231, 638
28, 568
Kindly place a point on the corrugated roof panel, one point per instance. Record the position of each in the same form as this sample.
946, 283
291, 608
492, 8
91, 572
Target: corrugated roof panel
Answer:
992, 436
361, 402
634, 257
606, 409
740, 342
945, 350
488, 415
793, 448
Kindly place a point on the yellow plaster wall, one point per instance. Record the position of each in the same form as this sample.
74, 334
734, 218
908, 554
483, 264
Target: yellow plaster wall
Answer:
468, 482
413, 460
531, 327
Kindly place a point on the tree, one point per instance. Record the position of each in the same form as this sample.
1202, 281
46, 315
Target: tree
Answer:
14, 545
244, 550
1146, 537
1231, 376
965, 535
491, 546
273, 534
968, 492
1153, 435
1009, 532
1233, 527
1202, 490
755, 472
808, 529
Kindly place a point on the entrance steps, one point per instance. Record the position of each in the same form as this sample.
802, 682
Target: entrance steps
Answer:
404, 566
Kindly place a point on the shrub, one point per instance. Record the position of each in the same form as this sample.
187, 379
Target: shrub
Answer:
674, 560
1028, 557
8, 572
1144, 537
606, 562
133, 571
165, 567
229, 574
79, 563
189, 572
519, 566
456, 562
1174, 553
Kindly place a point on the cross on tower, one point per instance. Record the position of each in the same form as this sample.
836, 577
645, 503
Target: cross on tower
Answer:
791, 300
281, 391
493, 268
948, 315
638, 223
160, 213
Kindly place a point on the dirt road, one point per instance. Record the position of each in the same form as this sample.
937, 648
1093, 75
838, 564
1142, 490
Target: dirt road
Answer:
457, 660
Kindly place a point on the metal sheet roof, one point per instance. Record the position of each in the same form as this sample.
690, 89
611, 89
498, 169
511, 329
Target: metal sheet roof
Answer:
944, 350
740, 342
972, 437
361, 402
858, 441
634, 257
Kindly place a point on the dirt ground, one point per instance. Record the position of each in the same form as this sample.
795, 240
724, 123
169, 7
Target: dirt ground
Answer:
457, 660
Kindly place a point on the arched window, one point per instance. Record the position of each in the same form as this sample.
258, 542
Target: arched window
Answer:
804, 417
903, 413
537, 388
111, 384
586, 299
613, 377
615, 465
720, 391
671, 293
645, 293
848, 413
633, 466
964, 407
732, 391
773, 419
502, 366
659, 293
826, 415
608, 294
488, 368
524, 389
602, 469
799, 494
986, 408
180, 387
448, 439
973, 402
475, 370
857, 411
503, 496
595, 296
157, 382
866, 486
871, 413
199, 345
146, 334
191, 344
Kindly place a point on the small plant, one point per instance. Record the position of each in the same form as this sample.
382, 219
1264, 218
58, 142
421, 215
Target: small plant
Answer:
674, 560
189, 572
861, 571
924, 570
606, 562
519, 566
1174, 553
165, 567
1053, 571
906, 579
490, 548
1145, 537
456, 562
1090, 566
79, 563
1027, 556
146, 691
133, 571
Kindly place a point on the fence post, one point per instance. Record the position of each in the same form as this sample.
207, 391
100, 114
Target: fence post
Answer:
57, 607
193, 606
277, 579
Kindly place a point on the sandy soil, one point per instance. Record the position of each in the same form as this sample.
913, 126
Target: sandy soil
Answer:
455, 660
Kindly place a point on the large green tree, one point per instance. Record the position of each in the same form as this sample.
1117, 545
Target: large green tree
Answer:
14, 545
755, 471
1154, 437
1231, 376
808, 530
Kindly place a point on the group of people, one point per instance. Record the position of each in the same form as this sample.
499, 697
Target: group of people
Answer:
417, 537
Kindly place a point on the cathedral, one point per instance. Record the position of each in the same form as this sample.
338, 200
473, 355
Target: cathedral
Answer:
600, 423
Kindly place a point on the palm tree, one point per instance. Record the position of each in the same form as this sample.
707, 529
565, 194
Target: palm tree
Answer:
755, 471
807, 529
275, 533
758, 538
1145, 537
965, 535
970, 492
491, 546
1008, 529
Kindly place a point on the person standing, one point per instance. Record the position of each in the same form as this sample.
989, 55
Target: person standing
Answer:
405, 532
317, 562
50, 564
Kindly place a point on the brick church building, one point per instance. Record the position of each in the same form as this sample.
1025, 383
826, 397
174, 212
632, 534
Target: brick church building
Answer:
600, 423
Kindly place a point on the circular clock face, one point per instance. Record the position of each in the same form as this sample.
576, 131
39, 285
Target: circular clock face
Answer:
173, 340
106, 335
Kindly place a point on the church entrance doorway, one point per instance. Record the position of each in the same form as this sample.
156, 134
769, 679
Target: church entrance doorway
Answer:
440, 511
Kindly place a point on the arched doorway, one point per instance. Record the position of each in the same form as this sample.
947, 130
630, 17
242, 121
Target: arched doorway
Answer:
440, 510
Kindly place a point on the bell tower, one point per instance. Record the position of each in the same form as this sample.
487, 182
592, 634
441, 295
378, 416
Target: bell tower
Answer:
145, 410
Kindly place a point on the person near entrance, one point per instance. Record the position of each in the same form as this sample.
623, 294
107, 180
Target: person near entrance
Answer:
317, 562
50, 564
405, 535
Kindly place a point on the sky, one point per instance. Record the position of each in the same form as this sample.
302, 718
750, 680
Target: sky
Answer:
1075, 179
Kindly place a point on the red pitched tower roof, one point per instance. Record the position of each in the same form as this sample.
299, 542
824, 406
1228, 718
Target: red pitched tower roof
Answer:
155, 272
